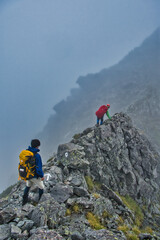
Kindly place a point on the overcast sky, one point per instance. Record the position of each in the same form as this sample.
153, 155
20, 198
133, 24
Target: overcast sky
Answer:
45, 45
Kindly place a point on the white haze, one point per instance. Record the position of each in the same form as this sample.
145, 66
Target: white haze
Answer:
45, 46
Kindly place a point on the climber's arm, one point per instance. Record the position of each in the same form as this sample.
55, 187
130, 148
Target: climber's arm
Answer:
107, 113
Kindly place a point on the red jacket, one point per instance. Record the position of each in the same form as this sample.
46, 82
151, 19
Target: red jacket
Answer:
101, 111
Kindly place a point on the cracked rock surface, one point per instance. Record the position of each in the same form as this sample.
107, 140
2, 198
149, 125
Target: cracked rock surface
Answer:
87, 181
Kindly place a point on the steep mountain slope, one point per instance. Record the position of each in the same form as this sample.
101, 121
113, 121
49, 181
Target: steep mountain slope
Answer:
145, 113
121, 85
102, 185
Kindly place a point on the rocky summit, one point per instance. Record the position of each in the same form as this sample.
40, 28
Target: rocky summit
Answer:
103, 184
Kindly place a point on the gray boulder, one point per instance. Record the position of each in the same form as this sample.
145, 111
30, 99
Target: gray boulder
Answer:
5, 232
103, 235
7, 215
42, 233
49, 212
61, 192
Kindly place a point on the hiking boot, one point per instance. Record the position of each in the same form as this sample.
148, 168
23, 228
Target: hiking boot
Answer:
25, 200
40, 193
25, 196
97, 125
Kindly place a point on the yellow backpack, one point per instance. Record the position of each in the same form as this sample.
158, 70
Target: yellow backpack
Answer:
27, 165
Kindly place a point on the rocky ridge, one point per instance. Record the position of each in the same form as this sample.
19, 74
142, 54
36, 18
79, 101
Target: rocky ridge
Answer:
104, 184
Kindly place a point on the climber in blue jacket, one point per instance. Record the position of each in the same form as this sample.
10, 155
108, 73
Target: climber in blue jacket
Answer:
39, 175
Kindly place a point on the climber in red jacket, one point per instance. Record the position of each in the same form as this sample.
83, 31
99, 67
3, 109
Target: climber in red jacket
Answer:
100, 113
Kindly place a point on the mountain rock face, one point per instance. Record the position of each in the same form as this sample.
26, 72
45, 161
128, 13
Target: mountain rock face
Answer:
131, 86
103, 184
145, 113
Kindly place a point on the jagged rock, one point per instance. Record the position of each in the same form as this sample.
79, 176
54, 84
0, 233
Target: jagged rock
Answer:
117, 158
25, 225
48, 212
80, 192
112, 195
72, 156
15, 231
26, 210
5, 231
45, 234
3, 203
103, 235
55, 174
103, 206
38, 216
83, 202
77, 236
72, 224
143, 236
7, 215
61, 192
76, 179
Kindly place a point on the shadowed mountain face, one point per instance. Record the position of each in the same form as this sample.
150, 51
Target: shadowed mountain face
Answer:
145, 113
132, 86
105, 179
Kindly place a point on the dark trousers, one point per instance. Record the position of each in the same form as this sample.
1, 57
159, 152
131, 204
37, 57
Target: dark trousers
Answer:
101, 120
26, 192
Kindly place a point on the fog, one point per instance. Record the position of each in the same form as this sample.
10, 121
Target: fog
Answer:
45, 46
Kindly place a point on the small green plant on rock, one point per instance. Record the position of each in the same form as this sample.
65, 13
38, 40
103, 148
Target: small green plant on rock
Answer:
96, 195
68, 212
120, 220
89, 182
50, 159
124, 228
147, 230
106, 214
76, 208
132, 236
127, 231
136, 230
92, 185
94, 221
97, 185
133, 206
73, 209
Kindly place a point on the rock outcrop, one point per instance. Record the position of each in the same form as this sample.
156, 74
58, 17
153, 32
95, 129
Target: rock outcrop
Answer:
104, 184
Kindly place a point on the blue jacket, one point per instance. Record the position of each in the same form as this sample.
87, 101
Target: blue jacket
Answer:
39, 171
